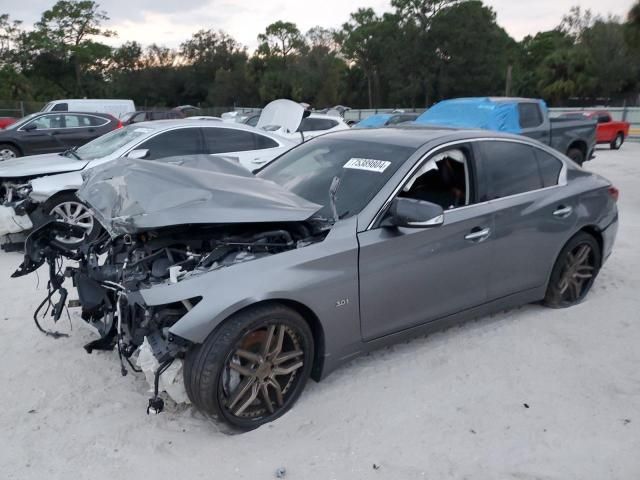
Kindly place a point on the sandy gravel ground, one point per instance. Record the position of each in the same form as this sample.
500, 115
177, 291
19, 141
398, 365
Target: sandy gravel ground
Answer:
528, 394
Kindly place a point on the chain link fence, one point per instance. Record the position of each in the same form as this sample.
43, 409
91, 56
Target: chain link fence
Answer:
19, 109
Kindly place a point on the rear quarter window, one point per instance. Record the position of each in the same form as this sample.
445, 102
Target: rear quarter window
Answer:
549, 167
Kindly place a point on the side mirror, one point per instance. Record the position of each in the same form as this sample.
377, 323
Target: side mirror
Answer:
411, 213
139, 154
30, 128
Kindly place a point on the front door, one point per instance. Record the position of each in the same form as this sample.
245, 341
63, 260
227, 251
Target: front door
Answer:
413, 276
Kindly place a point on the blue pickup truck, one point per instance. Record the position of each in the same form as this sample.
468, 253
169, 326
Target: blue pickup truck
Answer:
576, 138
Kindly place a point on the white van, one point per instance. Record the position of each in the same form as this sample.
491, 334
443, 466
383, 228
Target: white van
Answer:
117, 108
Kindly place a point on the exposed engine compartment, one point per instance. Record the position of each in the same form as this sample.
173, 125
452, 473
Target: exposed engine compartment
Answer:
111, 271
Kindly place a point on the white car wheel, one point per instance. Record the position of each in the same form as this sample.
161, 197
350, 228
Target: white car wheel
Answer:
73, 213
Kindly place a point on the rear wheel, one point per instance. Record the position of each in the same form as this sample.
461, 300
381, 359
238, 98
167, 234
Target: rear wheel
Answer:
67, 208
617, 142
574, 271
8, 152
576, 155
252, 369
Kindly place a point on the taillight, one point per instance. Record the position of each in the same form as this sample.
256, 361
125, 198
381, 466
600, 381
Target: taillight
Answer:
614, 192
119, 124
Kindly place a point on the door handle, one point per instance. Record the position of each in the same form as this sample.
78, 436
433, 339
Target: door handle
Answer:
478, 235
563, 212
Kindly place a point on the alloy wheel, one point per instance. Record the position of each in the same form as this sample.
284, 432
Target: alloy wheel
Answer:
261, 371
73, 213
6, 154
577, 274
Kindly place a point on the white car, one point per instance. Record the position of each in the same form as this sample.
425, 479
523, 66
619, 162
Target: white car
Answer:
290, 120
51, 180
116, 107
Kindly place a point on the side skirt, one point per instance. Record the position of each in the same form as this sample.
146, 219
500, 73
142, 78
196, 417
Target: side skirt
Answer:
505, 303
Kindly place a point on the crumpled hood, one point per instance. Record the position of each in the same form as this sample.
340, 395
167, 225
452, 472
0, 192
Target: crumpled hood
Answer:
130, 195
39, 165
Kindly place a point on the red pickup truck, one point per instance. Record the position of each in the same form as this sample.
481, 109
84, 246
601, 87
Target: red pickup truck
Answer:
6, 121
608, 130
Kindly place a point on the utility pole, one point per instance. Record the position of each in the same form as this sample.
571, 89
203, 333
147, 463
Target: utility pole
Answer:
507, 90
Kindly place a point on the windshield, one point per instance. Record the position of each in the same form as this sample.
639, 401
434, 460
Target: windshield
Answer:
110, 142
21, 122
363, 169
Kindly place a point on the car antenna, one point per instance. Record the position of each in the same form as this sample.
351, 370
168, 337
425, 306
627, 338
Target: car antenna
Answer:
333, 190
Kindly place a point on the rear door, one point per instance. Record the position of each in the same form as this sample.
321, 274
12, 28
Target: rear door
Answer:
80, 129
532, 217
251, 149
170, 143
412, 276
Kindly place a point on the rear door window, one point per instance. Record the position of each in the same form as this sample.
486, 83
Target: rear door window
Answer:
225, 140
509, 168
183, 141
530, 115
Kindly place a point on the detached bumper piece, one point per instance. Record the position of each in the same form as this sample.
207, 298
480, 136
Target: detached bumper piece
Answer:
11, 222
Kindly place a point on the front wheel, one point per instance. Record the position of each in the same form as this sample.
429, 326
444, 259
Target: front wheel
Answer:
617, 142
67, 208
252, 369
7, 152
576, 155
574, 271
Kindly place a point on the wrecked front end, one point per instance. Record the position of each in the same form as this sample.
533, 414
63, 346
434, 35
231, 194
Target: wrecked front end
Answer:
115, 273
15, 206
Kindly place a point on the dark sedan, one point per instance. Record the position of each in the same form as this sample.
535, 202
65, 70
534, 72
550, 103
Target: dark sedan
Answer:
151, 115
53, 132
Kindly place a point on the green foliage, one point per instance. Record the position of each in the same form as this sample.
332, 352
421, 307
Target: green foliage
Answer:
418, 53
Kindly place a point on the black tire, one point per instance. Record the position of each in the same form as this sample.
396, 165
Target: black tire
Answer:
208, 371
8, 151
576, 155
54, 204
617, 142
567, 285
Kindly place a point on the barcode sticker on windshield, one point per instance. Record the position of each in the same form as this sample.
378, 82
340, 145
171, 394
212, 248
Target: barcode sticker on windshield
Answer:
367, 164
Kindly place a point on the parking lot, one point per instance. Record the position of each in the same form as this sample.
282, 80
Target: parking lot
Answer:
532, 393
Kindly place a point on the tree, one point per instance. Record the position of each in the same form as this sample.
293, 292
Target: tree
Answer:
576, 22
361, 43
472, 51
281, 39
10, 31
533, 51
67, 31
421, 11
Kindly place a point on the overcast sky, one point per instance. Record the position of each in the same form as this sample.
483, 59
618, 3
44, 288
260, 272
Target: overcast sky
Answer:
170, 22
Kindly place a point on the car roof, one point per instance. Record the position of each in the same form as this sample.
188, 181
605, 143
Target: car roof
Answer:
106, 116
325, 116
184, 122
159, 125
415, 136
73, 112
